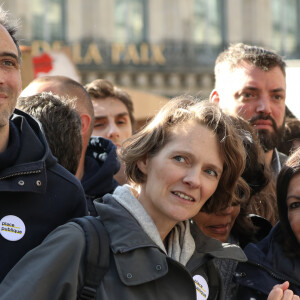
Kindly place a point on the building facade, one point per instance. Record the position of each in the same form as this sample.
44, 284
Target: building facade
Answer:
164, 46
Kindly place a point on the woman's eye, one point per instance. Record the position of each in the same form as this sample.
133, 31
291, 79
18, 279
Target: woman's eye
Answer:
294, 205
179, 158
211, 172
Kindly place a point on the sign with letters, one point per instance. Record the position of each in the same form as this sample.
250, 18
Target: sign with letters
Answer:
113, 54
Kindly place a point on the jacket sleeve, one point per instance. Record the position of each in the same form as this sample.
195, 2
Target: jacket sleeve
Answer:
50, 271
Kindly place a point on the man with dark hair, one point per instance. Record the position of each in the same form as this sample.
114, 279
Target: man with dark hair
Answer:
114, 119
250, 82
113, 109
61, 124
36, 193
98, 161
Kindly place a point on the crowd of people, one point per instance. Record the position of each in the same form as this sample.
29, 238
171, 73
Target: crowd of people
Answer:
200, 203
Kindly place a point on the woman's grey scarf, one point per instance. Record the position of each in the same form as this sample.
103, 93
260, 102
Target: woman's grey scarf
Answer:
180, 243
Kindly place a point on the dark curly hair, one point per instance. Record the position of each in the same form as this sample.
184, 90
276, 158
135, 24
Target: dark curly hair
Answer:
291, 168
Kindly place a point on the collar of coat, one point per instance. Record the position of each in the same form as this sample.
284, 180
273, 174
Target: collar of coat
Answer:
138, 259
29, 171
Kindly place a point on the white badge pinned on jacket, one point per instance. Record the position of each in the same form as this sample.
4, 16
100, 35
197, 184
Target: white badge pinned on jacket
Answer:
12, 228
201, 287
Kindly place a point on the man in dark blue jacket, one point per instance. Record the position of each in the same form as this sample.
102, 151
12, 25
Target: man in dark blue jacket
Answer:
36, 193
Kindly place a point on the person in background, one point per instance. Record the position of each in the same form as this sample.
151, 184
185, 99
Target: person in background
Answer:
114, 115
66, 87
250, 82
113, 110
154, 254
235, 224
276, 258
98, 161
61, 125
37, 194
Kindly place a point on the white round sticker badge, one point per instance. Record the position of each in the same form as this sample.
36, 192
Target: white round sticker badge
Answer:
201, 287
12, 228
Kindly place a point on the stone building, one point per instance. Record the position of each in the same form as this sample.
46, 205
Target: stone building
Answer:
164, 46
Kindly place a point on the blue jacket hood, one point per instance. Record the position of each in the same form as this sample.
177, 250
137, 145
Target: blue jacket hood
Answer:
267, 266
27, 123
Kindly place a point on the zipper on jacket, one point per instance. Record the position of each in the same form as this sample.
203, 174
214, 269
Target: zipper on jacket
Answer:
21, 173
274, 275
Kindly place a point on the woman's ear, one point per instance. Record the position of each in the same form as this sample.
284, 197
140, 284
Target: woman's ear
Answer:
143, 165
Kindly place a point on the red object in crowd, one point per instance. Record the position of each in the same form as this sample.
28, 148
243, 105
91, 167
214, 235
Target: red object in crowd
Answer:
42, 64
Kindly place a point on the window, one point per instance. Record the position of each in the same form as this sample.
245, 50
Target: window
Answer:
130, 21
208, 22
285, 26
48, 20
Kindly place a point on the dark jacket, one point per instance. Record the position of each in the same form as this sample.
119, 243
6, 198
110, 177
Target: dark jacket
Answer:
33, 188
100, 165
278, 160
139, 269
267, 266
227, 267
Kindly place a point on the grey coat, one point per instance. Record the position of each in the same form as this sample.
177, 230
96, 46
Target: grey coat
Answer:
138, 268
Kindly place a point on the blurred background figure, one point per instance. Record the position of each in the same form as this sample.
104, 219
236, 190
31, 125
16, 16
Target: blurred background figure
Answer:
61, 125
113, 111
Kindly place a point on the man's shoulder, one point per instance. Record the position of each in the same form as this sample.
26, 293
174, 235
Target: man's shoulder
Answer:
59, 171
65, 182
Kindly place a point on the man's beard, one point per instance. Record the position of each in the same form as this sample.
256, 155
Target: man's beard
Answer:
269, 140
